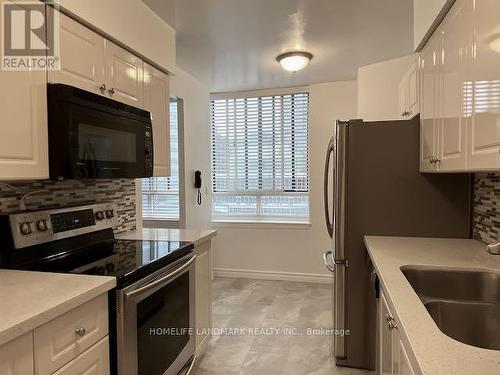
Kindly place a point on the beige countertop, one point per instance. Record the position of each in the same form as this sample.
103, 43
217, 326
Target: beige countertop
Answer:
434, 352
196, 236
29, 299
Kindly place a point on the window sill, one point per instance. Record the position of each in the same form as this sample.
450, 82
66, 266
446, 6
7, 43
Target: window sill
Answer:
263, 224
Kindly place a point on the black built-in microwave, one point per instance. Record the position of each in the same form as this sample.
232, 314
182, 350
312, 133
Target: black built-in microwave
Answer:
94, 137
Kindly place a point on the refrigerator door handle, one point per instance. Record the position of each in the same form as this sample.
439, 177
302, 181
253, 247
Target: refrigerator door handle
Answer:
329, 267
329, 151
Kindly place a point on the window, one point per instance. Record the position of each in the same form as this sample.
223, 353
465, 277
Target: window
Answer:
260, 158
160, 195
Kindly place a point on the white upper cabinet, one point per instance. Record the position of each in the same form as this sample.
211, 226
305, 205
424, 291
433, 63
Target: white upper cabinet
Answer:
408, 94
124, 75
157, 101
428, 104
82, 57
483, 140
460, 94
92, 63
454, 96
413, 92
23, 132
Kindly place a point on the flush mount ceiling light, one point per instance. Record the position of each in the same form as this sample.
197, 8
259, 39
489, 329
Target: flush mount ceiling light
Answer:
495, 44
295, 60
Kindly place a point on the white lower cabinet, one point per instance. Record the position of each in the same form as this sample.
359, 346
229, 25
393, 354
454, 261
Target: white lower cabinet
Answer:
63, 339
386, 339
203, 294
403, 366
75, 343
16, 357
94, 361
393, 357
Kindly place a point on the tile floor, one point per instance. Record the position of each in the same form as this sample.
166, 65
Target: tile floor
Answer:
240, 303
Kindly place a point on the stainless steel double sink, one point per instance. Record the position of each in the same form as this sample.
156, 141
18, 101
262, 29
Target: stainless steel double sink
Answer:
464, 304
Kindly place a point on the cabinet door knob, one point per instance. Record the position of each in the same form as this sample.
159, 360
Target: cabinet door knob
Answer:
111, 91
392, 324
102, 88
80, 332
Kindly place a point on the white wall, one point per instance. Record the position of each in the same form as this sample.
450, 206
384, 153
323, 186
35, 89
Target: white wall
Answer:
293, 252
132, 23
425, 13
378, 89
196, 145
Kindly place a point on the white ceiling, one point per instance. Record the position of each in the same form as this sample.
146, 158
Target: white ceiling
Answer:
232, 44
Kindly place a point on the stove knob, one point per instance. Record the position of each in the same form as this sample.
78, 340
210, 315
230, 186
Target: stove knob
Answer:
109, 214
42, 225
25, 228
99, 215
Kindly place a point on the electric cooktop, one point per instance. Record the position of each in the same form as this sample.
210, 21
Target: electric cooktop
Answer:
127, 260
81, 240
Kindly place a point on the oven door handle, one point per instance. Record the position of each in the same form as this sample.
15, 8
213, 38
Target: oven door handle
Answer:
161, 280
191, 366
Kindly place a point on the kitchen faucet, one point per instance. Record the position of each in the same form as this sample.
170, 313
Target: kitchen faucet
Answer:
494, 248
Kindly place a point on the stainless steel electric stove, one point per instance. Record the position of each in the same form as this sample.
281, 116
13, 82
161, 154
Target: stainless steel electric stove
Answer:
155, 280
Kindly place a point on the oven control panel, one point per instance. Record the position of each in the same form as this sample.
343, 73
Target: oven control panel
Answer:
37, 227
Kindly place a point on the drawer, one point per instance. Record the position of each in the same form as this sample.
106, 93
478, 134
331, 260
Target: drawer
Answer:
16, 357
95, 361
63, 339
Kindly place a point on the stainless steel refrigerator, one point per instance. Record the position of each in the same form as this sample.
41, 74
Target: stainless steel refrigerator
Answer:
372, 172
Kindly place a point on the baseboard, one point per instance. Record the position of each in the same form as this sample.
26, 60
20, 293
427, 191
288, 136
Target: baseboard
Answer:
271, 275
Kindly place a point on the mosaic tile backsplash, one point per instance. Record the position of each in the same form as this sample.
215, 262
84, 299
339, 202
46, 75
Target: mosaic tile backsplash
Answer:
73, 192
486, 218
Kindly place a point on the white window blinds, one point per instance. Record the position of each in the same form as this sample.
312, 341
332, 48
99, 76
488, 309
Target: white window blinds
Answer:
260, 157
160, 195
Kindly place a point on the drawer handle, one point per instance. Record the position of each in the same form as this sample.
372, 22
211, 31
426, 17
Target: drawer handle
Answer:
392, 324
111, 91
81, 332
388, 318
